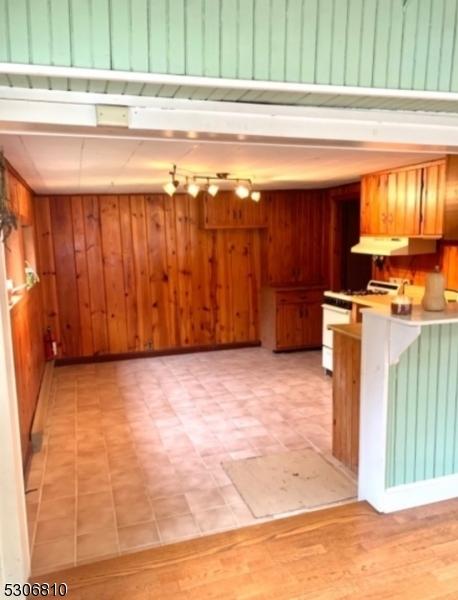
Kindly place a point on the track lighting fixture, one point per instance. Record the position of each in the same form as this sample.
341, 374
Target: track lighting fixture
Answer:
212, 189
242, 191
256, 196
171, 186
193, 189
243, 187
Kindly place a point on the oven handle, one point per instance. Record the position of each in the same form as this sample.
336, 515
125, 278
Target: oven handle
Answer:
343, 311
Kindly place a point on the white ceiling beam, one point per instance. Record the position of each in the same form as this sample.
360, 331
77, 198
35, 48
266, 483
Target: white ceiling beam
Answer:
217, 82
241, 122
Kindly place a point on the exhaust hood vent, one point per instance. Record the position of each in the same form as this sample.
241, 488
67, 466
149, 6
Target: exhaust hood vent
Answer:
394, 246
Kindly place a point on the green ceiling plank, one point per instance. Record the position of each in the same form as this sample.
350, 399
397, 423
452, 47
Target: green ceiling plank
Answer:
78, 85
152, 89
293, 40
395, 45
18, 25
60, 32
229, 38
247, 26
59, 83
133, 88
381, 43
339, 42
139, 35
448, 43
324, 41
40, 83
409, 34
158, 36
19, 81
80, 27
97, 86
100, 34
165, 91
277, 40
185, 91
176, 45
366, 66
261, 39
194, 36
422, 40
218, 94
341, 101
212, 50
309, 41
233, 95
353, 56
40, 34
115, 87
435, 46
121, 34
4, 32
201, 93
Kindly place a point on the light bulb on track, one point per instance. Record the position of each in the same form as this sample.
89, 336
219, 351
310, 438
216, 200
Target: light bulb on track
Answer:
242, 191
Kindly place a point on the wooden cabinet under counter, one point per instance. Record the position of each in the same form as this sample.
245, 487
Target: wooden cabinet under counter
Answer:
291, 317
346, 393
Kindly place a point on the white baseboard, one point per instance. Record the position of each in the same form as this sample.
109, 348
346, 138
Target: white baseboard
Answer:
416, 494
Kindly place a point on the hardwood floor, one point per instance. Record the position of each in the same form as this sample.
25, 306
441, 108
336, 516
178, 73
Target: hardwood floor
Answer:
348, 552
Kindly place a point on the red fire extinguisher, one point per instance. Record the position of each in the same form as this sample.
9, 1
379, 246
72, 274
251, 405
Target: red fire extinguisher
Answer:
50, 345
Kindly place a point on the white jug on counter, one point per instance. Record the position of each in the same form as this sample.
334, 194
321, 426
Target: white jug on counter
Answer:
434, 298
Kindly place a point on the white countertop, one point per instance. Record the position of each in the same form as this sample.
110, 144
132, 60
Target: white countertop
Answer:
419, 317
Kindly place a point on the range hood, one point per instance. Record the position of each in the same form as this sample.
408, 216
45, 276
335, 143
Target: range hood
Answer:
394, 246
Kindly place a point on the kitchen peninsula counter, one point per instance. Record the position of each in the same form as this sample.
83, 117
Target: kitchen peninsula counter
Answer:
409, 407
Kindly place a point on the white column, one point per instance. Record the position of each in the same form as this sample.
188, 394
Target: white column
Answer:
14, 544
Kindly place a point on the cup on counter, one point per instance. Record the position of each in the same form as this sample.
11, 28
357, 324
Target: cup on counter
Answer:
401, 305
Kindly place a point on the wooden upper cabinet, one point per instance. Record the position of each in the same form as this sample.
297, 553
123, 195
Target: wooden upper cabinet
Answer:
404, 202
227, 211
433, 200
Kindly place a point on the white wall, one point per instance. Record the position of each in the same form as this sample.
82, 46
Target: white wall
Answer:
14, 545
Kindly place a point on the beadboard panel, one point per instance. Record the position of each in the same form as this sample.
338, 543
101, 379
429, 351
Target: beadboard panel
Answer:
399, 44
423, 409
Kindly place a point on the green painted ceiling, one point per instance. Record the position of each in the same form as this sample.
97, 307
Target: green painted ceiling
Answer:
400, 44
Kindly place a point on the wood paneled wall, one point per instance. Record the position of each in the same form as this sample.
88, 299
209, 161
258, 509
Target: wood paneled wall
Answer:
133, 273
415, 268
26, 315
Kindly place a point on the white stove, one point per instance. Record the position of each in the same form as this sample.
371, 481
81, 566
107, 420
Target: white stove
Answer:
337, 310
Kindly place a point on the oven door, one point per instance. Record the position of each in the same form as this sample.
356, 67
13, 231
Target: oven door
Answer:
333, 315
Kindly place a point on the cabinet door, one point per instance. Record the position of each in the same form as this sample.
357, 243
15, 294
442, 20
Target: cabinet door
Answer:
299, 324
227, 211
289, 326
404, 202
374, 204
433, 201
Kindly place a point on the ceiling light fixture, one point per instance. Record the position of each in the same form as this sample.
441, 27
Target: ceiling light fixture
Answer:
243, 189
256, 196
171, 186
193, 189
212, 188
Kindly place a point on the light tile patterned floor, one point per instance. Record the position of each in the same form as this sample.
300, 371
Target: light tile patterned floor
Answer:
133, 449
